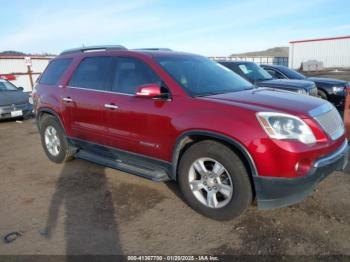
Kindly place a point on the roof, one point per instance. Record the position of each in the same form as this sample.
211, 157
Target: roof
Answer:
320, 39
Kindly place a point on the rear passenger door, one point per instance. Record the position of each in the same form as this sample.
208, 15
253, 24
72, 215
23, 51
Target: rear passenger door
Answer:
85, 98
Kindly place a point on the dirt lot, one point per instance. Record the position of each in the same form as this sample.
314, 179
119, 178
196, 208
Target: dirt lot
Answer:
82, 208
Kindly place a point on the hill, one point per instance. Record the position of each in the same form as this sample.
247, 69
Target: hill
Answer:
275, 51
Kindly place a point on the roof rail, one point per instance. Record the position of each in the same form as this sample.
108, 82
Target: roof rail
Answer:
153, 49
93, 48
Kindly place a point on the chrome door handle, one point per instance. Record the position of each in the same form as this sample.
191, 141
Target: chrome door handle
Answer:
111, 106
67, 99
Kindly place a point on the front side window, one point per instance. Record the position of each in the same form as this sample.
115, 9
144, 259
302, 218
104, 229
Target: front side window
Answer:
7, 86
199, 76
275, 74
254, 72
130, 74
292, 74
54, 71
92, 73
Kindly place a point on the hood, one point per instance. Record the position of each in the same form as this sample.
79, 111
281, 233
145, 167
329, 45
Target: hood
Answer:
289, 84
328, 81
265, 99
13, 97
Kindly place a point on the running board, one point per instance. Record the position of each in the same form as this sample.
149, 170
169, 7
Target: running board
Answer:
151, 171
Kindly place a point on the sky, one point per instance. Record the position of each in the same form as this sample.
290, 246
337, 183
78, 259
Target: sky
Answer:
207, 27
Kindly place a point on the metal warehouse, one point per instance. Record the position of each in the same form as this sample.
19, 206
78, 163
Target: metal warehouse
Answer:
23, 70
331, 52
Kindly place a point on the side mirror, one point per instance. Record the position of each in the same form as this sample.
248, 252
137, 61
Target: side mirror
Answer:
149, 90
20, 88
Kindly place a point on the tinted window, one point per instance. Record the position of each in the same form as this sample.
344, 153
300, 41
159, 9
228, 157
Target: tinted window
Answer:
7, 86
292, 74
131, 73
200, 76
54, 71
254, 72
275, 74
92, 73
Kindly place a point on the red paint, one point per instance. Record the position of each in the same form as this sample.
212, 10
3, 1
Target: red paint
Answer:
152, 90
8, 77
151, 127
319, 39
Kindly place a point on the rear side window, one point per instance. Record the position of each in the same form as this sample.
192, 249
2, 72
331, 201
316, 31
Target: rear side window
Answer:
54, 71
92, 73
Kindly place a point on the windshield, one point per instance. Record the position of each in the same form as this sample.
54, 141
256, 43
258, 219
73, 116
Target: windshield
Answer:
254, 72
7, 86
200, 76
292, 74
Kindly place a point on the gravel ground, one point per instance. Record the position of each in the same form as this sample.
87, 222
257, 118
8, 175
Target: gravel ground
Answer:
82, 208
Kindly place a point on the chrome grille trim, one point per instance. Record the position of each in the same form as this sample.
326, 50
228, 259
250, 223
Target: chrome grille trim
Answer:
329, 119
321, 109
14, 107
342, 151
313, 91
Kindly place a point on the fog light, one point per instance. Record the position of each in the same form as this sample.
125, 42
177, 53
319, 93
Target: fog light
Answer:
303, 167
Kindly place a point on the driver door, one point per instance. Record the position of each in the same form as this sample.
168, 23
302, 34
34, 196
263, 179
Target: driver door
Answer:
134, 122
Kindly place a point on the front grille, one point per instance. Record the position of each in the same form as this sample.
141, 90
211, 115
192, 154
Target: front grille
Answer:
332, 123
313, 91
14, 107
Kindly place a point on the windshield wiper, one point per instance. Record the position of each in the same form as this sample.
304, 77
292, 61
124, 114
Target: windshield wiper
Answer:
224, 92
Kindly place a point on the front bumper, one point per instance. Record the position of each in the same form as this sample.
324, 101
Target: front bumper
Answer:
274, 192
5, 111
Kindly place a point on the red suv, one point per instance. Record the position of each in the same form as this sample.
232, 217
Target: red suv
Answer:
167, 115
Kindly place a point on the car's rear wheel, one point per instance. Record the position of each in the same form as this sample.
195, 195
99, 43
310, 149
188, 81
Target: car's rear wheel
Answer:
214, 180
54, 140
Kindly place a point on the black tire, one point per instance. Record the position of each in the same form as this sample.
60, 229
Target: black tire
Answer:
322, 94
67, 151
242, 189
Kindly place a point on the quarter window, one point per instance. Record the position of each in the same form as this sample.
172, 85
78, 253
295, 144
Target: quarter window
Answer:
54, 71
131, 73
92, 73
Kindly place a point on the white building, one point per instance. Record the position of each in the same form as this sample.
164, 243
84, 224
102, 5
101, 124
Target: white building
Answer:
331, 52
273, 60
15, 68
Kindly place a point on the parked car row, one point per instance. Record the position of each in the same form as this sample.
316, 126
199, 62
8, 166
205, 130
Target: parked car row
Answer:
259, 77
167, 115
333, 90
272, 76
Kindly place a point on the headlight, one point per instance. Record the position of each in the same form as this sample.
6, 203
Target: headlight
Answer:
302, 91
283, 126
337, 89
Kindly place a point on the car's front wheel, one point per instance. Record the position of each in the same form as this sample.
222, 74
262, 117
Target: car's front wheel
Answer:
322, 94
54, 140
214, 180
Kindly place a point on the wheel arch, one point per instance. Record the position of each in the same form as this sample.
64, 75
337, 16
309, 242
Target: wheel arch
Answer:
186, 139
47, 111
324, 90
